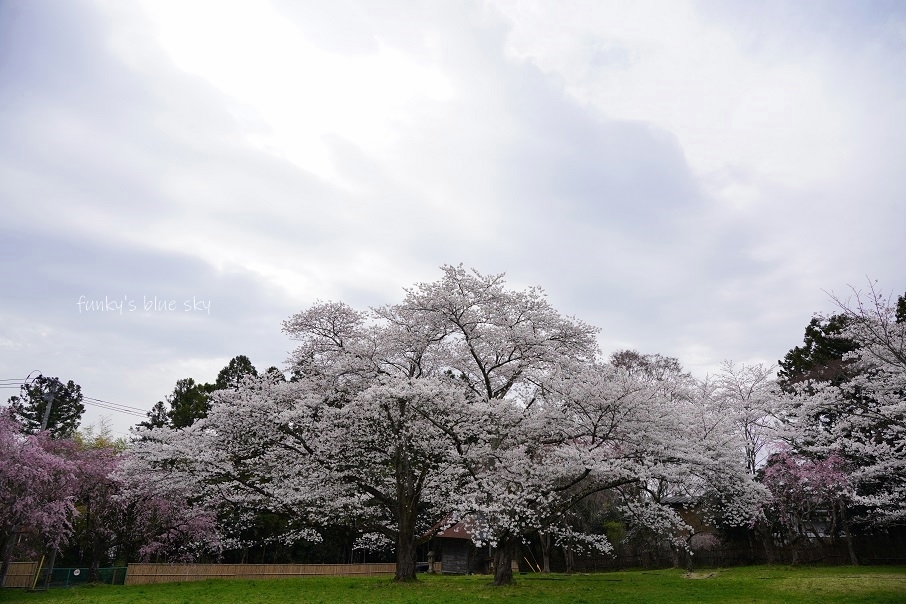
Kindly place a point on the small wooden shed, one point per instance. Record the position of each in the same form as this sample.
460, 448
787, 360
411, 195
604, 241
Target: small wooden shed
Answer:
457, 553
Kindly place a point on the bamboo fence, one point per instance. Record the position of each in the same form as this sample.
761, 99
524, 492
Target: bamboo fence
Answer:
21, 574
143, 574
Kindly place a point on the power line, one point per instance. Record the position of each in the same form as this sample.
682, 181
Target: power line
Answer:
88, 400
127, 407
24, 380
111, 408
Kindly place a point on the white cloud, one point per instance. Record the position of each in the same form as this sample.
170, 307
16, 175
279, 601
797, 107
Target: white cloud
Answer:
664, 63
301, 93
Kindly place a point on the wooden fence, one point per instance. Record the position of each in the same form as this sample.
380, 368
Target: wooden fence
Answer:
143, 574
21, 574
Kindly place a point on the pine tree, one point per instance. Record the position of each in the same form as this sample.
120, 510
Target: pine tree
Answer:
820, 358
188, 403
65, 401
232, 375
157, 417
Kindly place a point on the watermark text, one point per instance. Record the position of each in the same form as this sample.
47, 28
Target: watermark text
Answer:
145, 304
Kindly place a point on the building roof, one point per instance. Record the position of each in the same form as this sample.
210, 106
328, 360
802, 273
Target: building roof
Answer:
457, 531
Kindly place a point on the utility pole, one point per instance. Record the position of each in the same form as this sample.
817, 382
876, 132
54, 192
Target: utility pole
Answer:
49, 398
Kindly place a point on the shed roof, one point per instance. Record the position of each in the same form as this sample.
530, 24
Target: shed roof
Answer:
457, 531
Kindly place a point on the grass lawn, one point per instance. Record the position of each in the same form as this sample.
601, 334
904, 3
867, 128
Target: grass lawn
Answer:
874, 585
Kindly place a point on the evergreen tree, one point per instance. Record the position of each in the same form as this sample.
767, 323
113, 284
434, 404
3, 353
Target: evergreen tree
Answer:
65, 402
157, 417
188, 403
232, 375
820, 358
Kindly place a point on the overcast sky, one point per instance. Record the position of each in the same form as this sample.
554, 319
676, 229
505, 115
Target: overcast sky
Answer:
691, 177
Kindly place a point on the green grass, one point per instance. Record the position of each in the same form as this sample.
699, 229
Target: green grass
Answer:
871, 585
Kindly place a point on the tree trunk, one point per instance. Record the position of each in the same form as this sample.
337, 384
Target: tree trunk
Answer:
768, 543
569, 558
8, 546
769, 551
503, 561
48, 569
407, 501
405, 556
849, 536
94, 571
545, 551
405, 542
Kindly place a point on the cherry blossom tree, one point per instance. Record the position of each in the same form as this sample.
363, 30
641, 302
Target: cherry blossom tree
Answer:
377, 428
862, 419
287, 449
809, 497
395, 448
506, 347
385, 461
69, 493
750, 399
629, 429
37, 488
97, 525
127, 514
538, 460
707, 421
499, 346
159, 520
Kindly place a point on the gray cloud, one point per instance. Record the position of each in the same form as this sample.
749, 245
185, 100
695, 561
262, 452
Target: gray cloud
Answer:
122, 175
